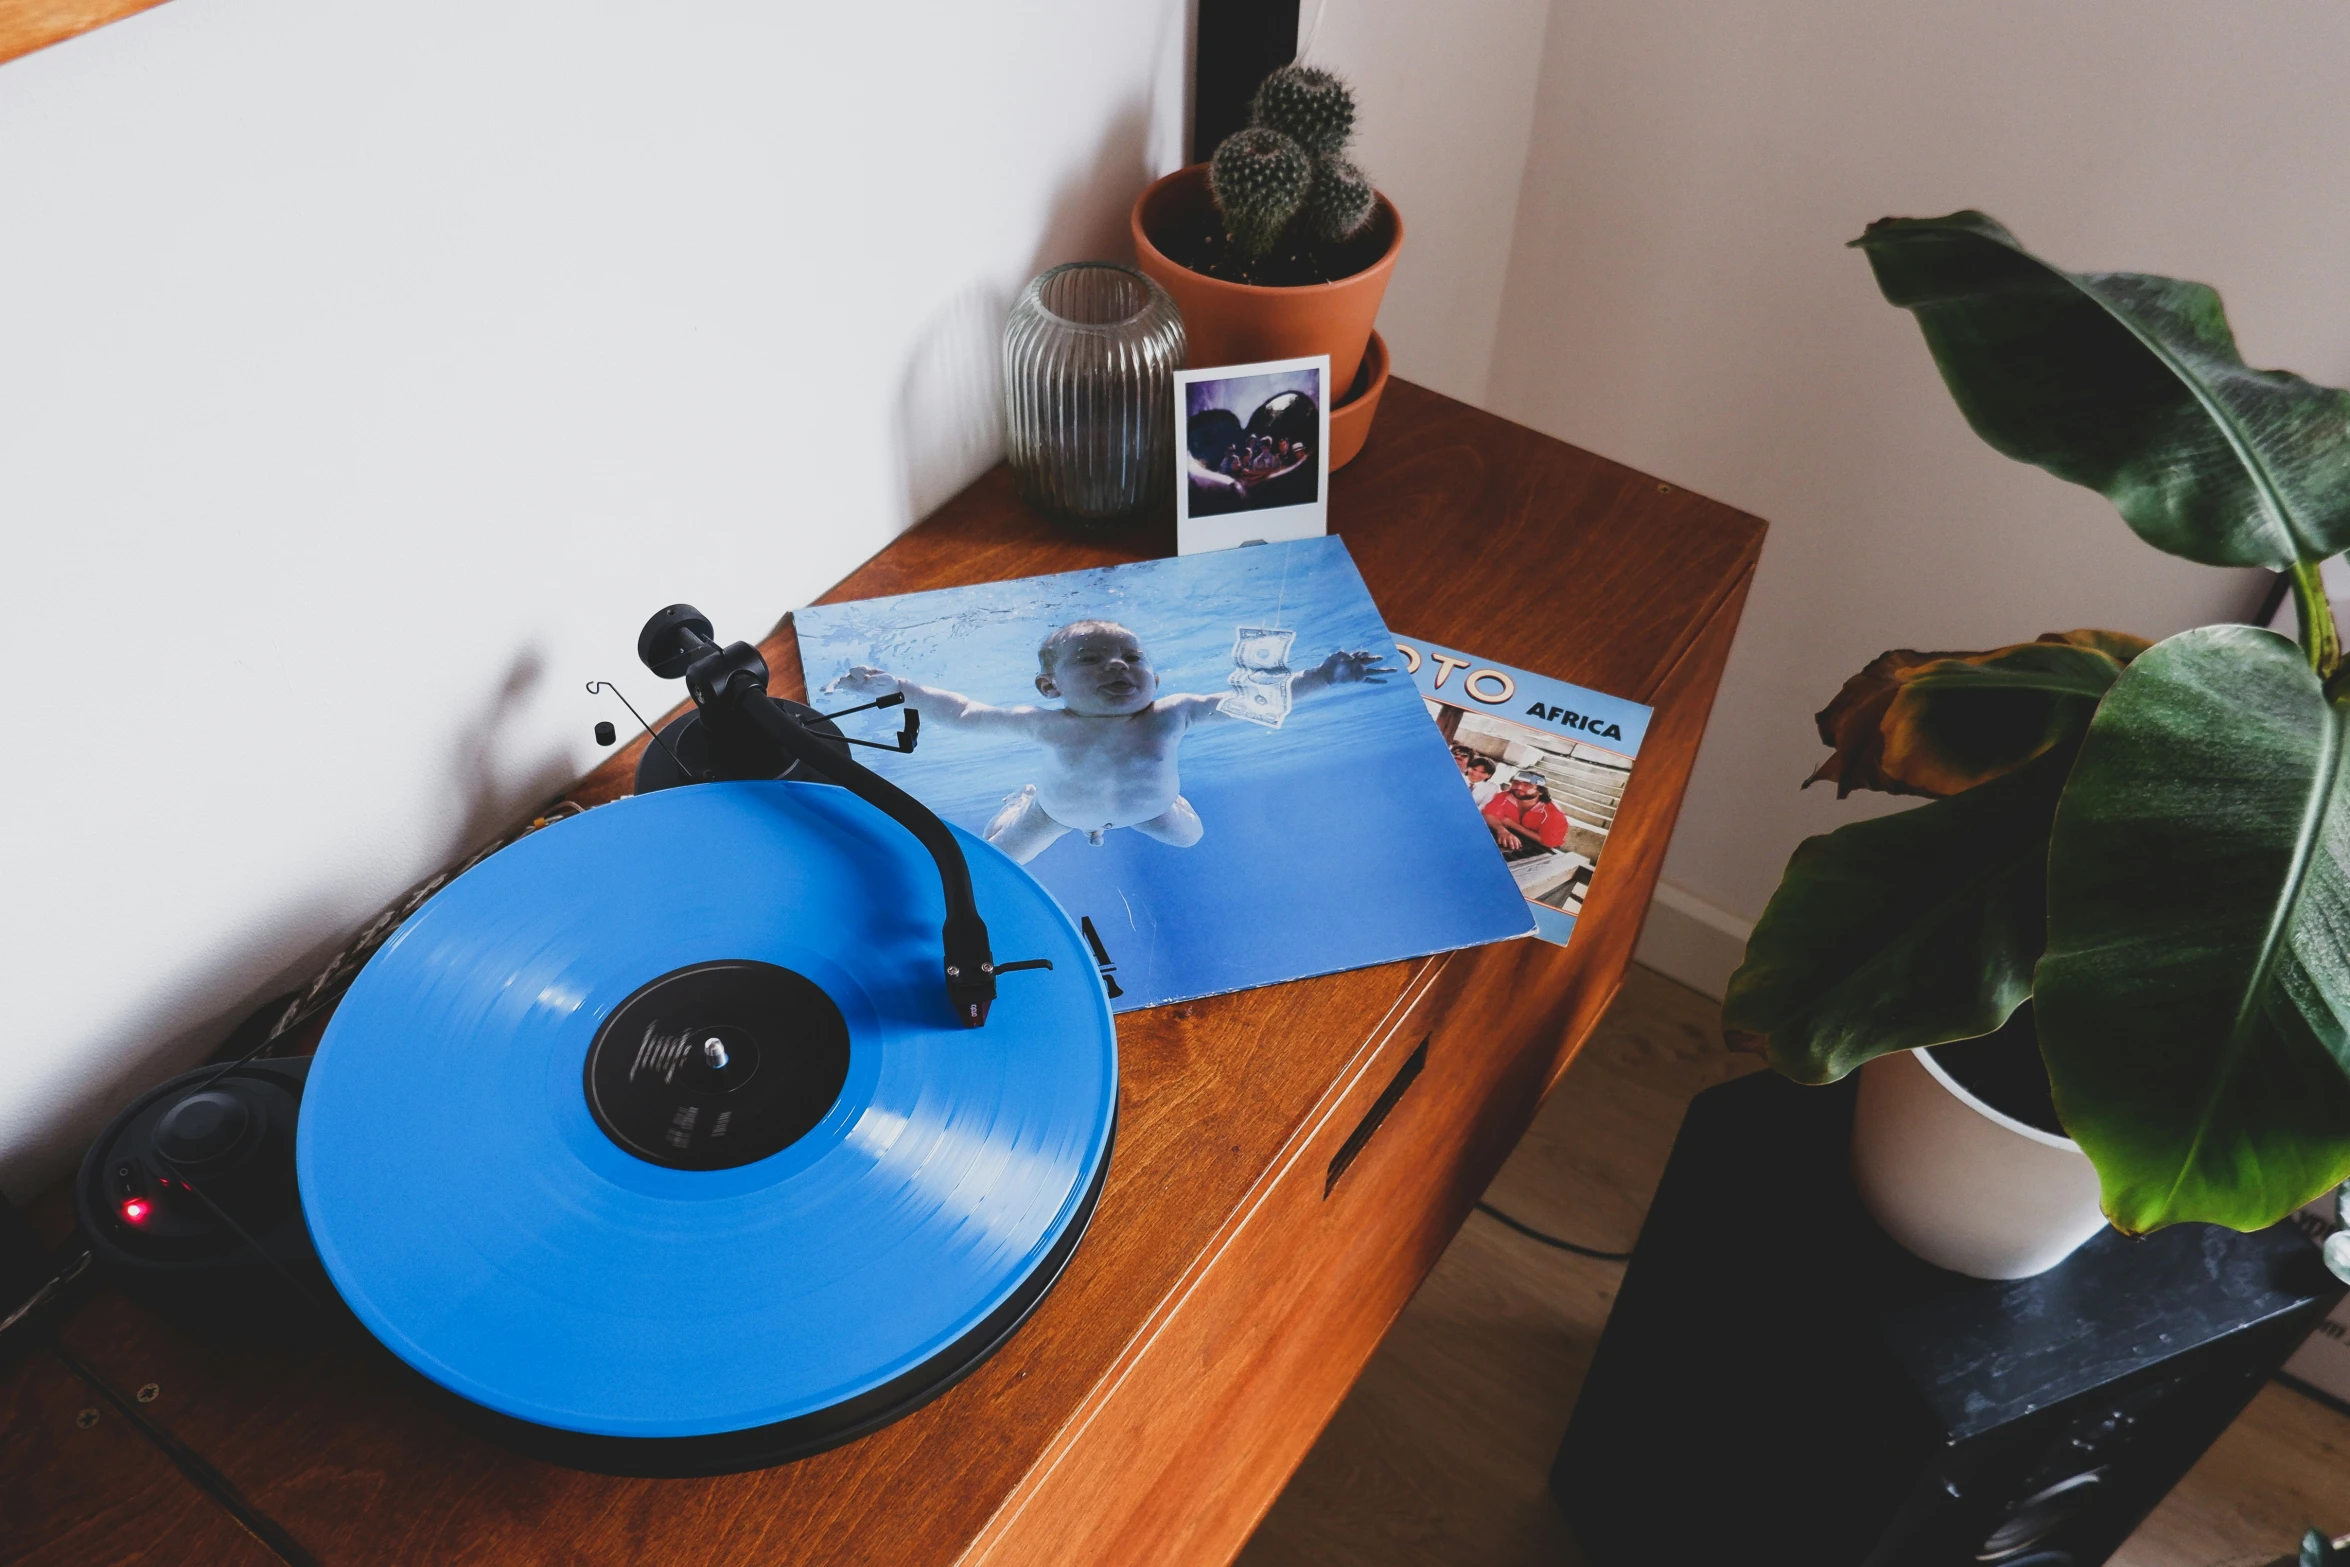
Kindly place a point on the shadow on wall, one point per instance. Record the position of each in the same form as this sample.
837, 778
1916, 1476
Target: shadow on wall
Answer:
948, 431
178, 1027
950, 415
1088, 217
497, 799
950, 409
186, 1022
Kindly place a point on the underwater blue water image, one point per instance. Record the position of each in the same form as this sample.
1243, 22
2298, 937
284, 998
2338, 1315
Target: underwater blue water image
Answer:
1340, 839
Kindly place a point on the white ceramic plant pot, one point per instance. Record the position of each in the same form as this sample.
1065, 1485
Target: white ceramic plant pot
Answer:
1960, 1184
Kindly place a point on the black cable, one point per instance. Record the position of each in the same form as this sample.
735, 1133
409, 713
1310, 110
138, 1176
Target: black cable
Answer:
683, 771
251, 1245
293, 1010
54, 1288
199, 1473
299, 1007
1534, 1234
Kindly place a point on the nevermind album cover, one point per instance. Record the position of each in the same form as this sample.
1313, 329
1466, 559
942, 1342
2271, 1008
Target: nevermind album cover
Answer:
1545, 763
1215, 762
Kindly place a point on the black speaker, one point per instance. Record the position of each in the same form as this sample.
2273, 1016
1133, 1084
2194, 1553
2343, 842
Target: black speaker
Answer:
1779, 1381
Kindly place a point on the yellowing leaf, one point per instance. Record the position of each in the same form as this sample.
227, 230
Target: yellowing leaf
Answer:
1938, 724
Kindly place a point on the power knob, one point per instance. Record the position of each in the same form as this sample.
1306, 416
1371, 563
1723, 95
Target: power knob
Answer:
209, 1131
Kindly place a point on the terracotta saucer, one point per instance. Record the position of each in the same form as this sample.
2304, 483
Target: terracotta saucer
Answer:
1350, 421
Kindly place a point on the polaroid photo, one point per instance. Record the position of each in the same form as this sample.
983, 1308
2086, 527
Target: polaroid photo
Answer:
1254, 444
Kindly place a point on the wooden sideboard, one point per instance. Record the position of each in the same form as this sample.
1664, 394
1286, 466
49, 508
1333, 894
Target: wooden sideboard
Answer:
1232, 1284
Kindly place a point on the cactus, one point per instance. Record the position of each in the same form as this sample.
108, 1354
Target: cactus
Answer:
1260, 178
1310, 107
1340, 204
1285, 181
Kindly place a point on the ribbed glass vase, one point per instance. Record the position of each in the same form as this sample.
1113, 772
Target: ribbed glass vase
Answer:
1089, 416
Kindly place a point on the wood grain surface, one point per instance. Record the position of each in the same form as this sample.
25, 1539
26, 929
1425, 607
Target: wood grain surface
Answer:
1440, 1454
26, 25
79, 1484
1221, 1302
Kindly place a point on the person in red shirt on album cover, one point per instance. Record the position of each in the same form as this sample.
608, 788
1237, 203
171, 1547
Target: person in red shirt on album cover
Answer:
1525, 815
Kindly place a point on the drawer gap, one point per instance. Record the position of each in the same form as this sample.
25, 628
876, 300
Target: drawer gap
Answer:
1357, 1139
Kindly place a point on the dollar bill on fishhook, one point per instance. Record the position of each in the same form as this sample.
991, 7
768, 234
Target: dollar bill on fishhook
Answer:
1260, 676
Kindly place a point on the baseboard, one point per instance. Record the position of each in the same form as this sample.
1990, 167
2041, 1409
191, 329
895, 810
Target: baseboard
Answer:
1691, 940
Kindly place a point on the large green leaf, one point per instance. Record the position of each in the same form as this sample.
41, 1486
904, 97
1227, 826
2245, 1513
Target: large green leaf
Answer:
2194, 1001
2130, 385
1908, 930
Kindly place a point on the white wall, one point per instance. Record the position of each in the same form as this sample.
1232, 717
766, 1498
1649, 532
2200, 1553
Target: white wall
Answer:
1679, 299
1446, 95
368, 371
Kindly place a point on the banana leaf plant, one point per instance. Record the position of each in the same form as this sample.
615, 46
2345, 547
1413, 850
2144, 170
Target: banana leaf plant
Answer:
2149, 844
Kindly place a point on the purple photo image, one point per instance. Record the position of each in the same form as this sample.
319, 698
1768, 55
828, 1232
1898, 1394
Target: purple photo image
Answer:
1252, 441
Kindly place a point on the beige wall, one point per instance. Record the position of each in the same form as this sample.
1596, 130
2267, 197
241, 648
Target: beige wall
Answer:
1447, 108
1679, 299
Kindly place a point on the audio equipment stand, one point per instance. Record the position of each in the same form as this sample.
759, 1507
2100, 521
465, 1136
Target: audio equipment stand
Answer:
1291, 1161
1782, 1380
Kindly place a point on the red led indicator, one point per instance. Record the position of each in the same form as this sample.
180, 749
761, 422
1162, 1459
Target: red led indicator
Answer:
135, 1210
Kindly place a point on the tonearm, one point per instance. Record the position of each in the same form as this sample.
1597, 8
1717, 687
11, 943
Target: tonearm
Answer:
729, 688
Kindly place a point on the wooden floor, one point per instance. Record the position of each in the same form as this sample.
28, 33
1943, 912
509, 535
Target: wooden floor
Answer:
1439, 1455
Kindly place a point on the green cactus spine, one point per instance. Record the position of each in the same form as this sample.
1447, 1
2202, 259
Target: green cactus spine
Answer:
1260, 179
1285, 183
1312, 108
1339, 206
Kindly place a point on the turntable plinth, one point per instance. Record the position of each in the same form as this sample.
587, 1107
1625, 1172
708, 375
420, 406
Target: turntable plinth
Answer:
1290, 1161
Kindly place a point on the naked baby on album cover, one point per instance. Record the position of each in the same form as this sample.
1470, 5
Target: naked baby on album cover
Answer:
1212, 762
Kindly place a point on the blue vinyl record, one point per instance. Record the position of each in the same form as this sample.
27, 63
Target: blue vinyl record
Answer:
833, 1238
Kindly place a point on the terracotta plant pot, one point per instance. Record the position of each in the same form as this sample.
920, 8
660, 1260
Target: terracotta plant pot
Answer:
1350, 421
1239, 323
